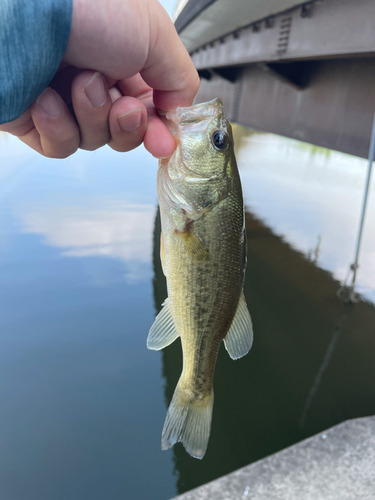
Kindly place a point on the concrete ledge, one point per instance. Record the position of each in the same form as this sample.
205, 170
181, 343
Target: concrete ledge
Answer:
338, 464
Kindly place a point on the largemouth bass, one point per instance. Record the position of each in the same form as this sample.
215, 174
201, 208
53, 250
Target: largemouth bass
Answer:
203, 254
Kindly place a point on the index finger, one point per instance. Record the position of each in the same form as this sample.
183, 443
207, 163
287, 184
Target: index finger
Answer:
169, 69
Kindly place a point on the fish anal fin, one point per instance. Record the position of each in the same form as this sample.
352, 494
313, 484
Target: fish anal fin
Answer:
163, 332
239, 338
195, 246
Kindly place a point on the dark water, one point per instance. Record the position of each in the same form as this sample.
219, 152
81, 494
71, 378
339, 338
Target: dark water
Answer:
311, 365
82, 401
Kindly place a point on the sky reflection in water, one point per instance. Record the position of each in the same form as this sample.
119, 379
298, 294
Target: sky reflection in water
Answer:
82, 402
312, 197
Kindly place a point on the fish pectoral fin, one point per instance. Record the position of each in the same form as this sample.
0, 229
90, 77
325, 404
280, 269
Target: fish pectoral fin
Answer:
163, 332
195, 246
239, 338
162, 252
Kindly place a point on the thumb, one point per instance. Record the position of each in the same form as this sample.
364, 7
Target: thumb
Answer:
169, 69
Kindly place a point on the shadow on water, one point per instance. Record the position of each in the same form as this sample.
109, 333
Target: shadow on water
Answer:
311, 365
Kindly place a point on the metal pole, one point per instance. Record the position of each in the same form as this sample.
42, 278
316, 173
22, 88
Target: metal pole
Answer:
371, 156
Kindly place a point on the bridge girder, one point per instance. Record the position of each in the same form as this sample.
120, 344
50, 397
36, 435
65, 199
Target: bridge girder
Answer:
307, 73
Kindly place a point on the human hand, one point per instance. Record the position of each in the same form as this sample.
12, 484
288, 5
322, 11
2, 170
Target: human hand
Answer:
124, 60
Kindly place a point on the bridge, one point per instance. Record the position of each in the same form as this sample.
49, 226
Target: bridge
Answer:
305, 70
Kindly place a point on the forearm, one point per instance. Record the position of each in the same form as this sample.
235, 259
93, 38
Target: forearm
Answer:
33, 38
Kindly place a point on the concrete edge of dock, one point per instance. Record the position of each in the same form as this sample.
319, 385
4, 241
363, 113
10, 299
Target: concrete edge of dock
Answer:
337, 464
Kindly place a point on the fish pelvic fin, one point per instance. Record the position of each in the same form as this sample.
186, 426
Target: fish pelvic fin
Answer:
239, 338
188, 421
163, 332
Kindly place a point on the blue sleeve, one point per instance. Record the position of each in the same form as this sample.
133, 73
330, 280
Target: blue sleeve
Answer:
33, 39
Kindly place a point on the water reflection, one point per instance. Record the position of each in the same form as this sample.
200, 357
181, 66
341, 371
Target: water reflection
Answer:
314, 254
81, 397
116, 229
311, 363
304, 194
322, 368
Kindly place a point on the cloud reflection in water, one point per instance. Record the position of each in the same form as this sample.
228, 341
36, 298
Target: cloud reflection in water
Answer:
117, 230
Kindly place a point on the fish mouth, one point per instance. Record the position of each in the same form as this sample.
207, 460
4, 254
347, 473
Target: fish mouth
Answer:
196, 113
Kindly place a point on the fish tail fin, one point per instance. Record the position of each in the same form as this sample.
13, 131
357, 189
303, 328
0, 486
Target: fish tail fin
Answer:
188, 421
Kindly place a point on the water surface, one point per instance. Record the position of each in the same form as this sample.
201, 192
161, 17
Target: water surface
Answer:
82, 401
81, 396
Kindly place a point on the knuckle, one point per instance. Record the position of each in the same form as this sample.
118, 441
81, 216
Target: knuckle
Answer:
92, 139
62, 149
92, 147
126, 141
122, 147
61, 155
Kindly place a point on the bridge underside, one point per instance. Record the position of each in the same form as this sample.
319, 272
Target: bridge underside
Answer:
334, 111
306, 73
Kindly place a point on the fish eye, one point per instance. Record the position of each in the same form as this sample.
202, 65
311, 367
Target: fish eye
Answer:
220, 139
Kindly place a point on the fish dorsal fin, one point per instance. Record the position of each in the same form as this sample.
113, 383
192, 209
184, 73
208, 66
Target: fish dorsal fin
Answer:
239, 338
195, 246
163, 332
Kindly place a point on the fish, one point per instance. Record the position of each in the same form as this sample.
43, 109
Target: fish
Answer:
203, 256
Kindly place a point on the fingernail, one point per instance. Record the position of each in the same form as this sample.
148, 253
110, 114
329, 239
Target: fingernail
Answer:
131, 120
95, 90
49, 103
